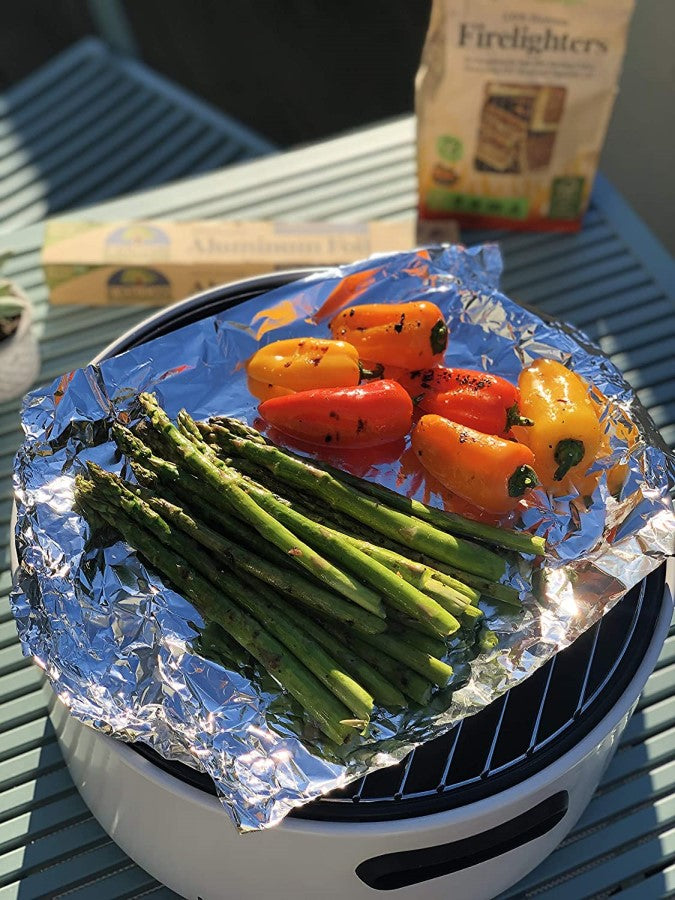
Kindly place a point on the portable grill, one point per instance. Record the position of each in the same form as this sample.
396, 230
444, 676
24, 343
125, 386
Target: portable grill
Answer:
471, 812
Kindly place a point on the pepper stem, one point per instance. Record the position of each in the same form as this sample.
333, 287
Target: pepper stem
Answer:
371, 374
568, 453
439, 337
513, 417
522, 479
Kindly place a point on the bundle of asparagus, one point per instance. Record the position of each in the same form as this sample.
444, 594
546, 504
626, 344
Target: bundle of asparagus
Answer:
278, 554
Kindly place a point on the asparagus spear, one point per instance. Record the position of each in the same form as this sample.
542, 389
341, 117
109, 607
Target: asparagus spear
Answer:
419, 661
188, 486
325, 709
409, 682
215, 642
404, 528
420, 574
236, 427
286, 580
396, 590
519, 541
226, 493
403, 559
188, 489
315, 658
422, 642
494, 589
465, 583
381, 689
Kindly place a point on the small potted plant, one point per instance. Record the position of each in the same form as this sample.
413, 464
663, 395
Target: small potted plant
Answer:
19, 353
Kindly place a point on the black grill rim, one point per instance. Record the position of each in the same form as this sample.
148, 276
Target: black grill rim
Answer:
223, 297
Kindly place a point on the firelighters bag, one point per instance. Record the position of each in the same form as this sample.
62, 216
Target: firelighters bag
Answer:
513, 98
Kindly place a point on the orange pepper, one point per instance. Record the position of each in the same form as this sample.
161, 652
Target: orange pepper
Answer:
300, 364
408, 335
565, 436
265, 390
484, 469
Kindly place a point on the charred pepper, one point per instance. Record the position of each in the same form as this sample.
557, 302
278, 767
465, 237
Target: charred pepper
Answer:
566, 434
409, 335
470, 397
363, 416
299, 364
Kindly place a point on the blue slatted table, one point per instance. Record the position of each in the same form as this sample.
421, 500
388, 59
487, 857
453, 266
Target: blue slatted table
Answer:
612, 279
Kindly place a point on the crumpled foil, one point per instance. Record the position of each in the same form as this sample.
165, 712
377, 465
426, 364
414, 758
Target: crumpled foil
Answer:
121, 649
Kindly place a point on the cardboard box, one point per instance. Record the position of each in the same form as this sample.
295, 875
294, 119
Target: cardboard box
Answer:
117, 263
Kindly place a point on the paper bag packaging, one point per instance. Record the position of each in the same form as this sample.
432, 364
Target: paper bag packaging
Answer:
513, 99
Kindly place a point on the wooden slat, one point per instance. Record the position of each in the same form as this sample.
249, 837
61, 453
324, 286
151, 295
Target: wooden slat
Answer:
655, 886
124, 883
87, 863
606, 876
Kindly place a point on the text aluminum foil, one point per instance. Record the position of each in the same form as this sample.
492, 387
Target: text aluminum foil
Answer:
120, 648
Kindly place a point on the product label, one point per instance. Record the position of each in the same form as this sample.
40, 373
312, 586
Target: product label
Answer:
566, 196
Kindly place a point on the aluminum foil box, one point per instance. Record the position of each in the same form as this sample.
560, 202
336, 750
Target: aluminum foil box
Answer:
158, 262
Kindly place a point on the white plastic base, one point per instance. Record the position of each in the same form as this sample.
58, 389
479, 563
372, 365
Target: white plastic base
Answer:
184, 838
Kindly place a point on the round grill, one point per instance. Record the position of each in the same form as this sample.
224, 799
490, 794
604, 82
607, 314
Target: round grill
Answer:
510, 740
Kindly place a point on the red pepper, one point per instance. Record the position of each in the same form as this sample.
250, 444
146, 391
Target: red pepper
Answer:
362, 416
476, 399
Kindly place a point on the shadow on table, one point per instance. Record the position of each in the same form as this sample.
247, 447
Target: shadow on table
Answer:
91, 125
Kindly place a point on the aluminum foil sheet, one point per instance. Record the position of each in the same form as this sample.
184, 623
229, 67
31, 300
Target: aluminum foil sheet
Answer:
121, 649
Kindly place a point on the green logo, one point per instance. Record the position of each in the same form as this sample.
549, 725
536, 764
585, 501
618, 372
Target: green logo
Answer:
449, 147
567, 193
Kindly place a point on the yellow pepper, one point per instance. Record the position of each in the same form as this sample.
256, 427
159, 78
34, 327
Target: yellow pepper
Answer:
302, 364
566, 434
620, 428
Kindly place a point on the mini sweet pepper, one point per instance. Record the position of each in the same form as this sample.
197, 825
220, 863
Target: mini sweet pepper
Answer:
362, 416
566, 434
409, 335
486, 470
300, 364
